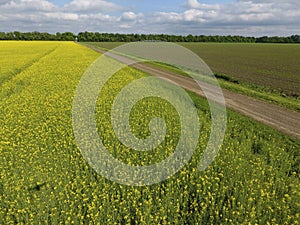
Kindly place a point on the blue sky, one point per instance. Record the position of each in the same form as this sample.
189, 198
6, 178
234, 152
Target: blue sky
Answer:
150, 6
209, 17
60, 3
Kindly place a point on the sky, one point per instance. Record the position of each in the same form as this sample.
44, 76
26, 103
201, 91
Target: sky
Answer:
180, 17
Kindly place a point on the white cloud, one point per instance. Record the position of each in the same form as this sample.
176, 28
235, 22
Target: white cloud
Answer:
245, 17
165, 17
98, 17
28, 5
194, 4
130, 16
62, 16
92, 6
2, 2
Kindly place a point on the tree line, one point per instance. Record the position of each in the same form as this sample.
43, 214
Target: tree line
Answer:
37, 36
111, 37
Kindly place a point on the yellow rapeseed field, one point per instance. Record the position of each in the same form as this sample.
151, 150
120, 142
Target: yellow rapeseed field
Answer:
17, 56
45, 180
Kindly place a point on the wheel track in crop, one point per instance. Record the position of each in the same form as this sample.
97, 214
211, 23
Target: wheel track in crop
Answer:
16, 72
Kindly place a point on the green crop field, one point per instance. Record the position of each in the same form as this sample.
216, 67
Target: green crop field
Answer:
45, 180
275, 66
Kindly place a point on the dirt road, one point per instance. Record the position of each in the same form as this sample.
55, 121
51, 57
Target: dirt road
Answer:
284, 120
